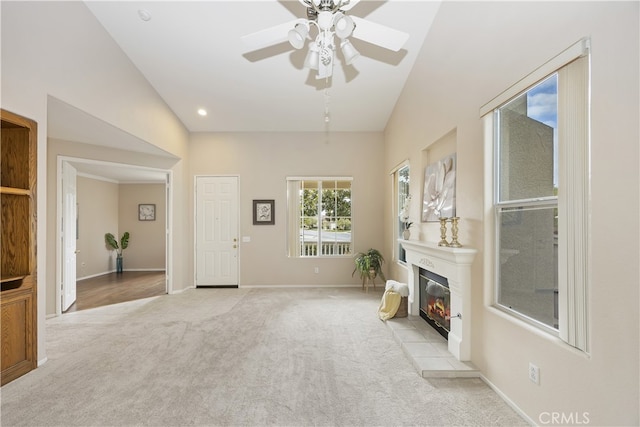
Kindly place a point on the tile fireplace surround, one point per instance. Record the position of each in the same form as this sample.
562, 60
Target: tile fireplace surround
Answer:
455, 265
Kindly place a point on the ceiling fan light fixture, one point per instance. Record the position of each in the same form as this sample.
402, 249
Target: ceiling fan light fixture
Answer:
298, 35
312, 59
344, 25
350, 53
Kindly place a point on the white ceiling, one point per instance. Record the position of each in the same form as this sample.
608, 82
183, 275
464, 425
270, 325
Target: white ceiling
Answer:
192, 54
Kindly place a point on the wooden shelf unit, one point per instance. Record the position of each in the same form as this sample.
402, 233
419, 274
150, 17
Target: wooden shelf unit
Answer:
18, 317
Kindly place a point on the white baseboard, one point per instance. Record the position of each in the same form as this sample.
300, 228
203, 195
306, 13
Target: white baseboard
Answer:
113, 271
42, 361
508, 401
179, 291
93, 275
298, 286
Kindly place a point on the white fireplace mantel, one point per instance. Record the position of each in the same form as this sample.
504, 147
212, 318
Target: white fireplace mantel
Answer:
455, 265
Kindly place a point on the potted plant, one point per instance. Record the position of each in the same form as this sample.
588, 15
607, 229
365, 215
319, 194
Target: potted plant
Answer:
113, 244
369, 265
404, 218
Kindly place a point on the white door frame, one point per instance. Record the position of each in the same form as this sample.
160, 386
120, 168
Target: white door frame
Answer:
59, 210
195, 224
69, 203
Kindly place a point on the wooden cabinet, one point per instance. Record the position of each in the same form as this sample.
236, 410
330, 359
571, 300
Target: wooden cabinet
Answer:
18, 325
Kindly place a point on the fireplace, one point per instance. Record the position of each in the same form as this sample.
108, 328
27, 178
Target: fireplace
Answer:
451, 269
435, 301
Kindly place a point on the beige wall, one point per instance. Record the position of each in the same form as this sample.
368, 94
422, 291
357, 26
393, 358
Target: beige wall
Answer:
474, 51
97, 214
147, 246
263, 161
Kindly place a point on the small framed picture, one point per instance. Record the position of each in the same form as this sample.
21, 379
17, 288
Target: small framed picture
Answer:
146, 212
263, 212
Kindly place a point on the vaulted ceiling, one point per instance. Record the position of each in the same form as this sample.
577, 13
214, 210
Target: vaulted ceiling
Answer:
191, 52
193, 55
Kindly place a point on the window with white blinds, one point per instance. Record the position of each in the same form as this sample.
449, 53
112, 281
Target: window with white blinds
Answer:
537, 196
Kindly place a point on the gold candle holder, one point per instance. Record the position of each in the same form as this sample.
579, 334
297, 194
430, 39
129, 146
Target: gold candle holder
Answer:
443, 232
454, 233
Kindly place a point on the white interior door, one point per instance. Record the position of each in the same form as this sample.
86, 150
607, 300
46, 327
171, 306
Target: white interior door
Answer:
216, 231
69, 217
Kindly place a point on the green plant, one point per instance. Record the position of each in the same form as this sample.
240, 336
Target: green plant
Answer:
111, 241
369, 264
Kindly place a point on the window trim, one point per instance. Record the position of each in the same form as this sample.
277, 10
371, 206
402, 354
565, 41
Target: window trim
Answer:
293, 228
395, 207
573, 195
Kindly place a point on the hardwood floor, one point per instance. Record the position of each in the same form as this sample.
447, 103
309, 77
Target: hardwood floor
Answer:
114, 288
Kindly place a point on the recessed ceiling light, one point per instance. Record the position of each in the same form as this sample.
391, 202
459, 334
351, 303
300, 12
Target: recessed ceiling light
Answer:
202, 112
144, 14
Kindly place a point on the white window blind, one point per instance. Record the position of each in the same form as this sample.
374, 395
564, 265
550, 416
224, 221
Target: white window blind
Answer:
573, 187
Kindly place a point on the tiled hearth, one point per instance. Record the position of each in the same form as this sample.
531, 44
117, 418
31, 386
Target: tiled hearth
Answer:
427, 349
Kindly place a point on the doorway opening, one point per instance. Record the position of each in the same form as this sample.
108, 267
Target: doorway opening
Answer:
104, 199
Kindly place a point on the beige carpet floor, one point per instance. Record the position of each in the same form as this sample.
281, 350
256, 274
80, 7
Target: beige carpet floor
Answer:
239, 357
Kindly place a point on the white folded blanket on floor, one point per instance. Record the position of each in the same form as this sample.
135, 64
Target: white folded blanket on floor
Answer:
401, 288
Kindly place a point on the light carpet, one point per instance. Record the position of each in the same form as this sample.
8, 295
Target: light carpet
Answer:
239, 357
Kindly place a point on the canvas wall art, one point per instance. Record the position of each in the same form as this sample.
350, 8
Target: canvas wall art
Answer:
439, 197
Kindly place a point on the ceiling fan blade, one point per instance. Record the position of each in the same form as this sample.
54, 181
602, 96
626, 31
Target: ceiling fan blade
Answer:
378, 34
307, 3
269, 36
349, 5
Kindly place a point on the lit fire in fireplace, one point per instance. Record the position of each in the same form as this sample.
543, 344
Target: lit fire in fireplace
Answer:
435, 304
438, 310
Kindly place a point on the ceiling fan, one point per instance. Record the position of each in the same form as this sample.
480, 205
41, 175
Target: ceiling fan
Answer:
325, 20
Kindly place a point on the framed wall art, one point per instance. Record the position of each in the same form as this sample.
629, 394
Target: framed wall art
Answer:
146, 212
439, 196
264, 212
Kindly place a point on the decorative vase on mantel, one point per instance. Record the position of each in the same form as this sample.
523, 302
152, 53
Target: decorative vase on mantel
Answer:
406, 234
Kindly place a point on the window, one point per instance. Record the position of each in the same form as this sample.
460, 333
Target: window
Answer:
526, 204
319, 217
401, 194
539, 163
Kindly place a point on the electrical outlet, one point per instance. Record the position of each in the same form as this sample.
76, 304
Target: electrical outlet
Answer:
534, 373
316, 270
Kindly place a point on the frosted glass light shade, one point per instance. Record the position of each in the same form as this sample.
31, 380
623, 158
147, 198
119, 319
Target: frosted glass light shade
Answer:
344, 26
298, 35
313, 57
350, 53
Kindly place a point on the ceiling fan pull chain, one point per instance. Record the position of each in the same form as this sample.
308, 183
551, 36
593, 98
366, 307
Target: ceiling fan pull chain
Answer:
327, 98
